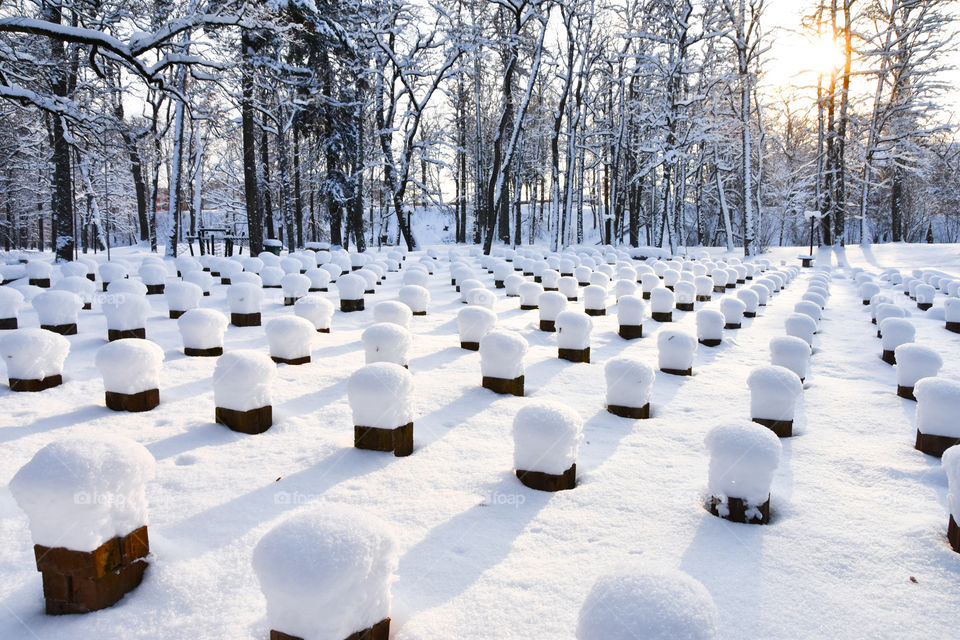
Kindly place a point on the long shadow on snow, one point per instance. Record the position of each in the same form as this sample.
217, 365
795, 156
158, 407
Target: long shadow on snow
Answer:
198, 434
602, 435
438, 359
226, 522
456, 553
77, 416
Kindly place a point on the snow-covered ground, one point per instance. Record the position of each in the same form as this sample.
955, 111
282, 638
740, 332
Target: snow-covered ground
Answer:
856, 546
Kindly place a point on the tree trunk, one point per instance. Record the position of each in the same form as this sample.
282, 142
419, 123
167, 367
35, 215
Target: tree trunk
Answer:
251, 188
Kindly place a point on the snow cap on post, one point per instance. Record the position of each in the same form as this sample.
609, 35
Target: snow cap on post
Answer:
595, 298
473, 323
710, 327
394, 312
416, 297
81, 492
326, 572
380, 395
950, 461
386, 342
315, 308
244, 298
743, 458
202, 328
792, 353
546, 437
290, 339
630, 310
938, 405
130, 365
773, 392
242, 380
675, 351
33, 354
351, 286
629, 382
501, 354
914, 362
801, 326
573, 330
638, 601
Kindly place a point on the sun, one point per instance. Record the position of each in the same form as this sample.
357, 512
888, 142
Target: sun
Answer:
821, 55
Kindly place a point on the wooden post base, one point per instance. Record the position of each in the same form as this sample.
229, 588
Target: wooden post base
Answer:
175, 313
737, 510
85, 581
732, 325
470, 346
953, 327
251, 422
549, 481
783, 428
43, 283
63, 329
399, 440
749, 314
19, 384
645, 295
806, 262
630, 331
662, 316
678, 372
684, 306
574, 355
710, 342
120, 334
548, 325
595, 312
348, 306
225, 281
133, 402
528, 307
155, 289
504, 385
718, 288
906, 392
888, 356
8, 324
272, 286
289, 301
924, 306
636, 413
203, 353
419, 313
245, 319
87, 306
317, 290
379, 631
953, 534
705, 298
300, 360
934, 445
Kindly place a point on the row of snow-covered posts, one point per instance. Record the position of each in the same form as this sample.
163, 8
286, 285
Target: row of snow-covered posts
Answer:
918, 366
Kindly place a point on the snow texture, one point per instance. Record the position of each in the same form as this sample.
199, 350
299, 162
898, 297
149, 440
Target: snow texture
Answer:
938, 405
127, 287
202, 328
546, 437
573, 329
895, 332
501, 354
482, 297
272, 276
685, 292
530, 293
33, 354
290, 265
37, 269
792, 353
319, 278
743, 458
351, 286
710, 324
750, 299
653, 603
11, 300
551, 303
112, 271
295, 285
675, 349
808, 308
125, 311
130, 365
952, 309
474, 322
386, 342
153, 274
916, 361
630, 311
69, 269
77, 285
381, 395
57, 307
81, 492
415, 297
629, 381
950, 461
244, 298
242, 380
661, 300
290, 336
181, 296
732, 309
200, 278
773, 392
315, 308
800, 325
594, 297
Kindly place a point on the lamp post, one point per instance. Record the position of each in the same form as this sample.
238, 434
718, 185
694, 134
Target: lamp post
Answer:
813, 216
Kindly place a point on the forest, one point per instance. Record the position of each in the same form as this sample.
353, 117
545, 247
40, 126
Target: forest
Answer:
624, 122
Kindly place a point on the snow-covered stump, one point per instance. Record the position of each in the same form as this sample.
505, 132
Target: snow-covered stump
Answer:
573, 336
79, 286
473, 323
720, 280
925, 296
595, 300
295, 286
200, 278
289, 339
938, 404
661, 304
773, 398
867, 290
888, 310
648, 282
34, 358
392, 311
686, 294
546, 437
317, 309
710, 327
126, 316
951, 308
808, 308
111, 272
642, 602
58, 311
245, 301
801, 326
675, 351
630, 311
551, 280
326, 573
530, 293
242, 390
38, 274
131, 374
550, 303
743, 459
569, 287
792, 353
11, 301
154, 276
501, 361
950, 461
386, 342
704, 285
350, 287
380, 398
181, 297
732, 310
87, 508
202, 332
915, 362
895, 332
319, 279
750, 301
629, 382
